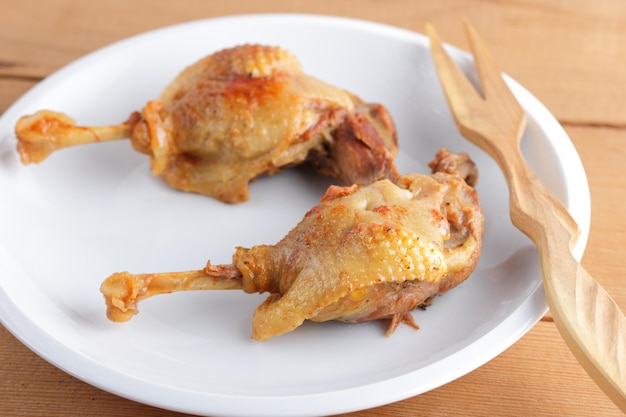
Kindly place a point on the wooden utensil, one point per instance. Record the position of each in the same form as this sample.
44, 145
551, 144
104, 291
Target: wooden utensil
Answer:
588, 319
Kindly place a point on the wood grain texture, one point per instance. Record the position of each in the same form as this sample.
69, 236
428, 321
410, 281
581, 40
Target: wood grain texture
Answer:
537, 376
566, 52
569, 53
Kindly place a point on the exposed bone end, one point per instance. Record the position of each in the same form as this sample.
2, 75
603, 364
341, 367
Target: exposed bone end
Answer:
46, 131
38, 134
122, 291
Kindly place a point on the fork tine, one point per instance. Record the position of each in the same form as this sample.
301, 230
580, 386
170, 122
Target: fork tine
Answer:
491, 82
460, 93
474, 113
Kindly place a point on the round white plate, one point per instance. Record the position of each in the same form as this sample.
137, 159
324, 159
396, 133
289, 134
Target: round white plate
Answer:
86, 212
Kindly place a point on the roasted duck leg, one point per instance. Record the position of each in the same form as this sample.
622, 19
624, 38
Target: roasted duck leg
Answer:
235, 115
365, 253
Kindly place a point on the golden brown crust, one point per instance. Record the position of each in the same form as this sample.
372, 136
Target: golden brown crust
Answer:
249, 111
235, 115
366, 253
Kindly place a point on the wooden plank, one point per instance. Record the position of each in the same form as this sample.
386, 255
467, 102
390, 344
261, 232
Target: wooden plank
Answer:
580, 86
537, 376
12, 89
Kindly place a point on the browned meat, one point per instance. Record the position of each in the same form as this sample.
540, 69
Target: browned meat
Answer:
235, 115
365, 253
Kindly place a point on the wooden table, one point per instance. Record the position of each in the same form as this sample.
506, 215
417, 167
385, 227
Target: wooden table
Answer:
570, 53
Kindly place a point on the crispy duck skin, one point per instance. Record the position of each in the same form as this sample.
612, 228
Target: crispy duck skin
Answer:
364, 253
232, 116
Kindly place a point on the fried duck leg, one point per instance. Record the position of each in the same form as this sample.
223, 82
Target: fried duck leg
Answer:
365, 253
235, 115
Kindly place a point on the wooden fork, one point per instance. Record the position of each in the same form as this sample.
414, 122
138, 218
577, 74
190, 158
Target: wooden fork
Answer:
589, 321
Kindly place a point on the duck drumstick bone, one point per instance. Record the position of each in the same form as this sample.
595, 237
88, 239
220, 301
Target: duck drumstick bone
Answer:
233, 116
46, 131
123, 290
364, 253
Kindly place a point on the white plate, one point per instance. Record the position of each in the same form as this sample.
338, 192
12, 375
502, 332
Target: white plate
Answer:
89, 211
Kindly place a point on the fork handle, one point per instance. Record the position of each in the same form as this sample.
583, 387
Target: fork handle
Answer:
588, 319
